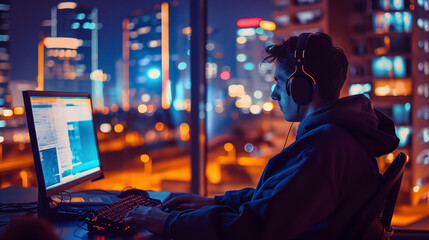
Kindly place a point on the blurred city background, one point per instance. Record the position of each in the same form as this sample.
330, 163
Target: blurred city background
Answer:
133, 57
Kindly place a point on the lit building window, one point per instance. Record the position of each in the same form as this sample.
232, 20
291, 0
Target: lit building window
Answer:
423, 113
423, 157
144, 30
306, 17
364, 88
400, 113
423, 135
392, 87
423, 90
282, 20
384, 22
154, 43
389, 67
404, 135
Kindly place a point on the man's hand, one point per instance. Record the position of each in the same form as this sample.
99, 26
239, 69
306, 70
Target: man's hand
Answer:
182, 201
149, 218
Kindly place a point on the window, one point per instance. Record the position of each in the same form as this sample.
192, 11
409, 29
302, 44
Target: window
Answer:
392, 87
423, 113
364, 88
389, 67
423, 90
404, 135
423, 135
400, 113
306, 17
385, 22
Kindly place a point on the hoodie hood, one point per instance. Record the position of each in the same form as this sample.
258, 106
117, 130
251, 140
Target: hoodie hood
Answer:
374, 130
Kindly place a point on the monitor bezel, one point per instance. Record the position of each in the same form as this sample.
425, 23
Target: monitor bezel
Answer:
43, 192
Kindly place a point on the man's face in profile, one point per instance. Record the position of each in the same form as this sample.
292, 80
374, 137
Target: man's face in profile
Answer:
287, 105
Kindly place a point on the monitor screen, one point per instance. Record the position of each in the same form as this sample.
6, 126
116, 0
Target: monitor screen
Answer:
65, 137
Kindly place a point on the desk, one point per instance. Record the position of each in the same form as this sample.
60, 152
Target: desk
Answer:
65, 229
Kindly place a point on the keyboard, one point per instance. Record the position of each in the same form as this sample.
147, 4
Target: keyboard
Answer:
110, 218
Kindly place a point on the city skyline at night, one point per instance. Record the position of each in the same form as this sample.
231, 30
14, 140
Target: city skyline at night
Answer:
25, 34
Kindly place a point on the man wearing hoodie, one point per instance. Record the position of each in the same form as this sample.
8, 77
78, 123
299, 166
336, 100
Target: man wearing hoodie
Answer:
311, 189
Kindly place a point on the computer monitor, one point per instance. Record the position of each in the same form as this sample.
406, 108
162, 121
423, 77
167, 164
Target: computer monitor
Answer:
63, 140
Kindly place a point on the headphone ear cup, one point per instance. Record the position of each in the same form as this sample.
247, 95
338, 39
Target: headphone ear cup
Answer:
302, 90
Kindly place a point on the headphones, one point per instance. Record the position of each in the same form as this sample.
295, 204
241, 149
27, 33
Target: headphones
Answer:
302, 86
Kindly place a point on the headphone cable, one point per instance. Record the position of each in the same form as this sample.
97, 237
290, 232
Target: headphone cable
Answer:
290, 128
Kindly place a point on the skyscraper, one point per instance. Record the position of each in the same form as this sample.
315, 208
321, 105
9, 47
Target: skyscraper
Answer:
68, 52
4, 51
253, 35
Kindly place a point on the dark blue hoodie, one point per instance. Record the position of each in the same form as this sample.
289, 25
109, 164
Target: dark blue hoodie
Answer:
309, 190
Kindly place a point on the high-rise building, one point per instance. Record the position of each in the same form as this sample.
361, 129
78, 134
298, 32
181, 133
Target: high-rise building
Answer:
4, 51
256, 78
420, 102
154, 54
68, 52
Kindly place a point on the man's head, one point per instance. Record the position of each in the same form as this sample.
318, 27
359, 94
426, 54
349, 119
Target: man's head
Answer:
326, 63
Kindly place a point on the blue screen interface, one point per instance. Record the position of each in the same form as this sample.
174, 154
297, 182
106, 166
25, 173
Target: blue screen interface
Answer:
66, 138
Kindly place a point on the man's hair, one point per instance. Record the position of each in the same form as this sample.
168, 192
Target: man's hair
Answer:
326, 63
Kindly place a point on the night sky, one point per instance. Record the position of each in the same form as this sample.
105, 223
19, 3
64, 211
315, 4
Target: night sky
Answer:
27, 16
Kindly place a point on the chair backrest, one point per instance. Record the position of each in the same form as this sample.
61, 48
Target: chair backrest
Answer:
374, 218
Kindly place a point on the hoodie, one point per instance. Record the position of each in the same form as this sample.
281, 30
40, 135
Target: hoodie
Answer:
311, 189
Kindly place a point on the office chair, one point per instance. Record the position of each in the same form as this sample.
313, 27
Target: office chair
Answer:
372, 222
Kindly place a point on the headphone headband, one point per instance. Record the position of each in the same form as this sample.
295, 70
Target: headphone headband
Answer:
303, 85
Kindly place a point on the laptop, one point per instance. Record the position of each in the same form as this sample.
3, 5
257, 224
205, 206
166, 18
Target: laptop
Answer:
64, 144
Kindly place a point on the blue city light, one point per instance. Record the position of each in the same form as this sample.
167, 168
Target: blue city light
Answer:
260, 31
146, 18
249, 147
391, 4
269, 34
241, 57
388, 67
268, 44
249, 66
2, 123
188, 85
407, 106
244, 32
399, 67
401, 113
182, 66
80, 16
392, 22
404, 135
4, 38
75, 25
359, 88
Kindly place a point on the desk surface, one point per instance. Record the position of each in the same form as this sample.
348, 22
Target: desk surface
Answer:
65, 229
